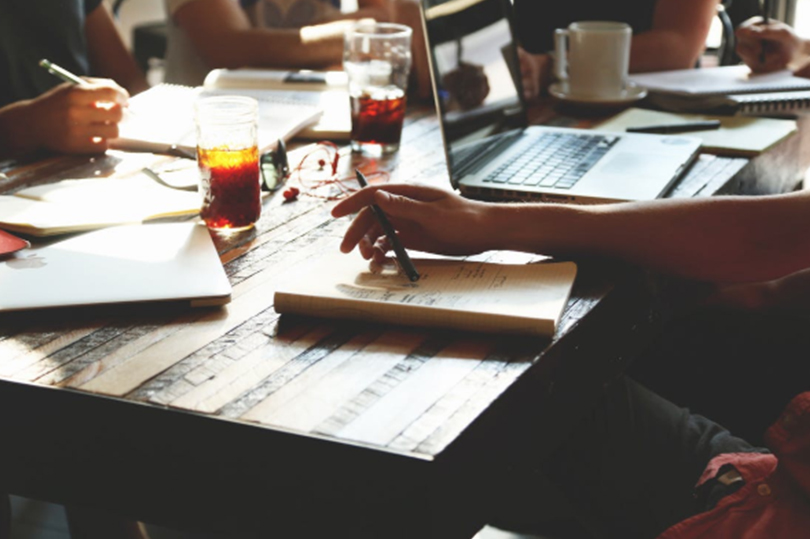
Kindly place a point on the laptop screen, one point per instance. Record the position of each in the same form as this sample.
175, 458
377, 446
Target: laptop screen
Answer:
476, 75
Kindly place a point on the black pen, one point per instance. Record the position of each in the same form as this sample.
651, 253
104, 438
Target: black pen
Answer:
666, 129
402, 255
766, 9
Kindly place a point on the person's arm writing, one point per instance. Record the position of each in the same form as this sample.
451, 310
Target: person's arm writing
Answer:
677, 37
723, 239
769, 47
68, 119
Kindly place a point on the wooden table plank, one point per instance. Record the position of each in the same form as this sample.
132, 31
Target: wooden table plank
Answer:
323, 397
247, 373
415, 392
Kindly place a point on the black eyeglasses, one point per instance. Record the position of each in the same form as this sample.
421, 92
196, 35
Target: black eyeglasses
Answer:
274, 167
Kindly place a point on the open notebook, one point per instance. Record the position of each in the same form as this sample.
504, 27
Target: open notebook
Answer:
743, 136
163, 116
87, 204
328, 90
459, 294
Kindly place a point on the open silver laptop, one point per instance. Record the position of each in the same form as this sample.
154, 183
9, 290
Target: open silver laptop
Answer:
491, 151
124, 264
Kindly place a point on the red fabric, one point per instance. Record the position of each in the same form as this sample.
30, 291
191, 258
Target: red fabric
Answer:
775, 501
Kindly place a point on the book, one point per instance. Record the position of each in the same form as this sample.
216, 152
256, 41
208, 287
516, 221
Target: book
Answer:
471, 295
271, 79
328, 90
726, 89
738, 136
87, 204
161, 119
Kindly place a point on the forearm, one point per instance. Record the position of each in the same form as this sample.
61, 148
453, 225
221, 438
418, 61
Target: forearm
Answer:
109, 58
662, 50
17, 134
305, 48
677, 37
728, 239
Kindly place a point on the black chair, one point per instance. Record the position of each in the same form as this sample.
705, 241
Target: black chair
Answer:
731, 13
148, 39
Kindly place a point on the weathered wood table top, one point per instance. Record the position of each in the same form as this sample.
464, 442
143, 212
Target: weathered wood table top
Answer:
237, 419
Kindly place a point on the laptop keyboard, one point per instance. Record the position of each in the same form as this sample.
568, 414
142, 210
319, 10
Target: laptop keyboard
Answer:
552, 160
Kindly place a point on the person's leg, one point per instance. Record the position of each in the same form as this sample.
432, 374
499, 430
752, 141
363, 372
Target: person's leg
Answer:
738, 368
631, 466
88, 523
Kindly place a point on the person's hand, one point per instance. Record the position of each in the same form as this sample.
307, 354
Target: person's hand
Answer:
766, 47
786, 294
803, 71
535, 71
425, 218
77, 119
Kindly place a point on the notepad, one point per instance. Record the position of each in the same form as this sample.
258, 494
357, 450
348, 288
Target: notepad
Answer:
163, 116
738, 135
728, 88
327, 90
525, 299
88, 204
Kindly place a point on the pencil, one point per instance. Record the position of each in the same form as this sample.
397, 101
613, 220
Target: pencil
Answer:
62, 73
402, 256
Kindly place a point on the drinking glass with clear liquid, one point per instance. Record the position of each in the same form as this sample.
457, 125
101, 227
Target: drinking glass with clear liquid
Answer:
377, 60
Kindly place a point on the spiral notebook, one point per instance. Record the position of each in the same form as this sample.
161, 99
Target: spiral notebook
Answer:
727, 89
161, 119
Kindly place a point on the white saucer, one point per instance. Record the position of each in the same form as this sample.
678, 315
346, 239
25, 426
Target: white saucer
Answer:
631, 94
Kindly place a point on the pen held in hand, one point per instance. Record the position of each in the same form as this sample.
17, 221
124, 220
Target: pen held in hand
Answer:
766, 10
62, 73
402, 255
685, 127
67, 76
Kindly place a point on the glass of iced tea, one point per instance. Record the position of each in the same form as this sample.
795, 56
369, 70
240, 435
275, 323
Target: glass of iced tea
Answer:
377, 59
228, 158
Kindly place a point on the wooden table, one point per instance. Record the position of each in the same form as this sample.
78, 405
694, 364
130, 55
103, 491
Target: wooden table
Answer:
239, 421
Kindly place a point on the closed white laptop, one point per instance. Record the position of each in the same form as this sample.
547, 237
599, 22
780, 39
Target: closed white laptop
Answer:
124, 264
492, 153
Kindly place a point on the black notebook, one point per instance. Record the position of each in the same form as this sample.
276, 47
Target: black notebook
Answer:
726, 90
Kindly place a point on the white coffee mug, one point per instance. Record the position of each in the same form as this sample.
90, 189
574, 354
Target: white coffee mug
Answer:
593, 57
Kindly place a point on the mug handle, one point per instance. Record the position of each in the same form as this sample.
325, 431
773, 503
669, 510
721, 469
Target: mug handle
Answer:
561, 54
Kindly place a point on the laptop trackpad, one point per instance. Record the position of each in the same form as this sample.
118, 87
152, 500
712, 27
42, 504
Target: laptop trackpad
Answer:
626, 163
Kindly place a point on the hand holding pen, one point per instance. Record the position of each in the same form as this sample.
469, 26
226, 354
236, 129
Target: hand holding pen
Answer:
78, 117
766, 44
403, 259
766, 10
